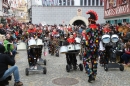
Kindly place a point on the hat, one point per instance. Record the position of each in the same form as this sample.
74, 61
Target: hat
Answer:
93, 16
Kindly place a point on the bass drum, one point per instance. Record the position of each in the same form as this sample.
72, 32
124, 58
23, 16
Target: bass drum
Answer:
39, 42
106, 38
77, 47
114, 38
71, 47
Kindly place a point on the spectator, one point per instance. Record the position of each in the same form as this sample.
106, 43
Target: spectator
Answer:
5, 72
126, 55
9, 39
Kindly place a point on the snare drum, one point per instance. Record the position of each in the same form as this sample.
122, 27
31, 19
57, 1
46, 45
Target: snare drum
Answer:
63, 49
106, 38
32, 42
77, 47
71, 47
39, 42
114, 38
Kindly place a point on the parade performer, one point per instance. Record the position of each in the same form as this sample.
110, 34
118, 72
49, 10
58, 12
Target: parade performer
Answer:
71, 57
31, 29
54, 41
54, 33
91, 55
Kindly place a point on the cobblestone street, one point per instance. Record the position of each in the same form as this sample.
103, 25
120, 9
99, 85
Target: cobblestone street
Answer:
56, 68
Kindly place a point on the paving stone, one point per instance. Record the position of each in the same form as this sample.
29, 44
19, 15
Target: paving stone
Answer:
56, 68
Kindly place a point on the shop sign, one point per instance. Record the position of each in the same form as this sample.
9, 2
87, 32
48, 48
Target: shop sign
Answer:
117, 10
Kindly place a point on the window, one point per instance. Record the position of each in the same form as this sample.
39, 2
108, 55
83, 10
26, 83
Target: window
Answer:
89, 2
60, 2
101, 3
85, 2
68, 3
64, 2
97, 2
114, 3
81, 2
93, 2
72, 2
124, 1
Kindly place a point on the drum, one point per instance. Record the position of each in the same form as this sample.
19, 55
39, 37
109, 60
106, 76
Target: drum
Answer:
71, 47
63, 49
114, 38
39, 42
106, 38
77, 47
32, 42
78, 40
21, 46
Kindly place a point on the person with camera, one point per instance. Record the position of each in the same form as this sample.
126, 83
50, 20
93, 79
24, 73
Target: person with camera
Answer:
5, 72
9, 46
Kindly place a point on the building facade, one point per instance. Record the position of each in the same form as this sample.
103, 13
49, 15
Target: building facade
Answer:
64, 11
117, 11
18, 8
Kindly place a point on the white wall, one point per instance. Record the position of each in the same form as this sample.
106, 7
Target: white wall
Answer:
1, 8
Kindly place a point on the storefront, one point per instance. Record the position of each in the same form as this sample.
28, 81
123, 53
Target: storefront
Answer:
117, 11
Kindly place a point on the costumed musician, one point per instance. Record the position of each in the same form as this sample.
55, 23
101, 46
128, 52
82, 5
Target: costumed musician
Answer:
71, 57
31, 31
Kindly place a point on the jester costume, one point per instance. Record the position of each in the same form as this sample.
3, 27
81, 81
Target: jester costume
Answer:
54, 43
92, 46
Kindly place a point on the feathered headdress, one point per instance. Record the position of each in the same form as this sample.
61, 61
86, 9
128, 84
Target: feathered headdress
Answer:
93, 16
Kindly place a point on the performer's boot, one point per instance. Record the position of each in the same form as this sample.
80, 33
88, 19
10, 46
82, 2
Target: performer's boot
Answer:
93, 78
90, 78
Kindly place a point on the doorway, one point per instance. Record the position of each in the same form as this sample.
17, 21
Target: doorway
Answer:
79, 22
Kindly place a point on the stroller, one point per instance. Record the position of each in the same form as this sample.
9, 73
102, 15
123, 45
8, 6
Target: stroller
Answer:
34, 58
112, 52
71, 53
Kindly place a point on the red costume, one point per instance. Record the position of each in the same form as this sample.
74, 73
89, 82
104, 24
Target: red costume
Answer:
54, 33
31, 30
106, 30
94, 26
84, 35
71, 40
70, 29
